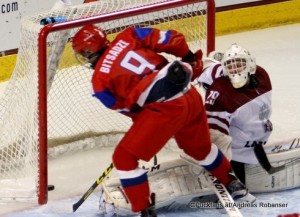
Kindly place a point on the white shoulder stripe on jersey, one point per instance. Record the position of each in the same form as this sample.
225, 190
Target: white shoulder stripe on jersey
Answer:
218, 123
223, 115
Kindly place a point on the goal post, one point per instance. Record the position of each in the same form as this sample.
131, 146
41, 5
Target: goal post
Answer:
48, 99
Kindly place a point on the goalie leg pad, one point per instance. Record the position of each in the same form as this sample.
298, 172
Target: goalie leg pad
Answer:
173, 183
258, 181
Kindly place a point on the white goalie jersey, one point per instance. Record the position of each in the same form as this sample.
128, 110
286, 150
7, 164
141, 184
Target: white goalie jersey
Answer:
176, 182
246, 118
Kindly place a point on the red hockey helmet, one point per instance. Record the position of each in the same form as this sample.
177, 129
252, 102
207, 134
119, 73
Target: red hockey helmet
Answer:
88, 41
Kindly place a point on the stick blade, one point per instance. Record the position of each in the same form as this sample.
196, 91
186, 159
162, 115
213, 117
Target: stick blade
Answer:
77, 205
273, 170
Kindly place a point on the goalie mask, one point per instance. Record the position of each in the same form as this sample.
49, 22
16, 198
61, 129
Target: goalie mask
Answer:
88, 44
238, 65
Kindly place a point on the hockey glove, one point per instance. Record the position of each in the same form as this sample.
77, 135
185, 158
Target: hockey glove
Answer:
198, 66
176, 74
189, 58
195, 60
175, 81
192, 58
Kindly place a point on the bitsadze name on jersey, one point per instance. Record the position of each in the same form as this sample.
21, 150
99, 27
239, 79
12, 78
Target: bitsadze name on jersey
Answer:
243, 113
130, 64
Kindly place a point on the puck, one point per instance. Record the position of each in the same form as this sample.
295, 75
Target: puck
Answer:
51, 187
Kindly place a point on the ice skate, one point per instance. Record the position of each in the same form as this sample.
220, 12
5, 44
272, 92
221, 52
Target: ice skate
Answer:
239, 192
149, 212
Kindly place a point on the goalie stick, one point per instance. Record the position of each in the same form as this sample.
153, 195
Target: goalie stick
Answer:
264, 161
220, 190
276, 169
93, 187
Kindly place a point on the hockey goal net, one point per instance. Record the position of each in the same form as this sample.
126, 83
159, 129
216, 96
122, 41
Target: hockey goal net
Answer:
48, 102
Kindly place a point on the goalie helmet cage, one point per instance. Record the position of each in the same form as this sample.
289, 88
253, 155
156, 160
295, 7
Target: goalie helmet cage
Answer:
48, 101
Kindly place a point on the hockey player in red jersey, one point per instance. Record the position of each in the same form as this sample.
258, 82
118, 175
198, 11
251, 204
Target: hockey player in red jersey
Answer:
238, 105
133, 78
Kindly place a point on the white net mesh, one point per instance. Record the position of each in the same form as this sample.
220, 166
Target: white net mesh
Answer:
73, 114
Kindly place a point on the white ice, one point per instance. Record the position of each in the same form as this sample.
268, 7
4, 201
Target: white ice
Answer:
276, 49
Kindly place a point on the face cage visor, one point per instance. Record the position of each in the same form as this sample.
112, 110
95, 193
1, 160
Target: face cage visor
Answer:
237, 71
87, 58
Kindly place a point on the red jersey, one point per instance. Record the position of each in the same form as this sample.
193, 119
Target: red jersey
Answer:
130, 64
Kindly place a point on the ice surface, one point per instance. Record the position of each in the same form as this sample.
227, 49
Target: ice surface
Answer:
277, 50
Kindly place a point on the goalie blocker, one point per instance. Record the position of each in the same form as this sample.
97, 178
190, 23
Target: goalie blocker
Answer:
175, 184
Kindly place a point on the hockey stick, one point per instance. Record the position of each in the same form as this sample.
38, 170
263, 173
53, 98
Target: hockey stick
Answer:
219, 189
93, 187
293, 162
264, 161
224, 196
99, 180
